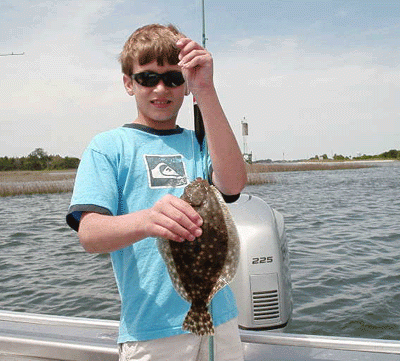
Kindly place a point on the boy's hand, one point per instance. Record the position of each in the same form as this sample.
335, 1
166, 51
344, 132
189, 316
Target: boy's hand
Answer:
174, 219
197, 65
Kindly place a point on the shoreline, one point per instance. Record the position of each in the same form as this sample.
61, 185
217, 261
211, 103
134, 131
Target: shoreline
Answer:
317, 165
262, 173
14, 183
366, 161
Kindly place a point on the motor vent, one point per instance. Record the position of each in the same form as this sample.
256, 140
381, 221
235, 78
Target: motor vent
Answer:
265, 306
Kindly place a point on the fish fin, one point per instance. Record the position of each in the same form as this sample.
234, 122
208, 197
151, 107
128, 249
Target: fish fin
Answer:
198, 321
231, 264
165, 252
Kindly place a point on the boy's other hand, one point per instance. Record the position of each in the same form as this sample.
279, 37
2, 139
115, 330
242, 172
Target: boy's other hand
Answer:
174, 219
197, 65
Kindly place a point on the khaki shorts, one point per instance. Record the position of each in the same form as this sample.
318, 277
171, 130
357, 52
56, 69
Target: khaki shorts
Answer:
187, 347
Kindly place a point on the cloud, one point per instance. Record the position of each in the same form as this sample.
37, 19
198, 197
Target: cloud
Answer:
64, 81
332, 103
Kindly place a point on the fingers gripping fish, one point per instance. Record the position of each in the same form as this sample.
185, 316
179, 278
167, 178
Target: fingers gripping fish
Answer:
199, 269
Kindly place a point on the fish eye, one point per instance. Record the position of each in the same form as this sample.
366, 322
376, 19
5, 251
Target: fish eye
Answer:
196, 199
195, 194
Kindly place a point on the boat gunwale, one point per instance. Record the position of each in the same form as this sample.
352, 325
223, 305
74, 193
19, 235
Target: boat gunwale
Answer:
106, 329
325, 342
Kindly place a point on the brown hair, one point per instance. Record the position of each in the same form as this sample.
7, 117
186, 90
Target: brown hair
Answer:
149, 43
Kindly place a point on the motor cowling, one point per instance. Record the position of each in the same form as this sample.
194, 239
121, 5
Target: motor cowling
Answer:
262, 284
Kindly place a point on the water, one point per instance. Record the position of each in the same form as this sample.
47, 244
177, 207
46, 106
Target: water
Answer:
43, 267
344, 238
344, 232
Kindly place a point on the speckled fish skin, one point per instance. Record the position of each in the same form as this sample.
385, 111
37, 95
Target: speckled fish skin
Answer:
199, 269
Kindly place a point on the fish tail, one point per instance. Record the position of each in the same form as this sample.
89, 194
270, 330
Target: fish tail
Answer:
198, 321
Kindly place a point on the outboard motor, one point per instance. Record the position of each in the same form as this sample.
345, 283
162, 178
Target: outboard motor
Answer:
262, 284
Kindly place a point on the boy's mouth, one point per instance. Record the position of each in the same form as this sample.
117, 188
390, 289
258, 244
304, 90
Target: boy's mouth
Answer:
160, 102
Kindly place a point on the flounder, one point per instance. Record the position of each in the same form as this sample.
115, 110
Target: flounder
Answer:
199, 269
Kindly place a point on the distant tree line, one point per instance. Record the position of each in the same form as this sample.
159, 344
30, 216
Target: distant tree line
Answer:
391, 154
38, 160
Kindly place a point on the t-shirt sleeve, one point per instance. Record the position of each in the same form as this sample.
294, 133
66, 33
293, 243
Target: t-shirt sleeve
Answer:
95, 188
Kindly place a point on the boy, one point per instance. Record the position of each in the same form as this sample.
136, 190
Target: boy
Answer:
127, 193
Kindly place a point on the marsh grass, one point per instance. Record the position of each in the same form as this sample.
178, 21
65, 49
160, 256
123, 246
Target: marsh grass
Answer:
33, 182
260, 178
306, 166
36, 182
263, 173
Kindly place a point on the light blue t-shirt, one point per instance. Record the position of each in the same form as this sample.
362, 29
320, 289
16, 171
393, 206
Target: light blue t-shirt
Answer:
126, 170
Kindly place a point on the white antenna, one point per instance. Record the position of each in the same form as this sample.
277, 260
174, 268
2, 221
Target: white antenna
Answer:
245, 132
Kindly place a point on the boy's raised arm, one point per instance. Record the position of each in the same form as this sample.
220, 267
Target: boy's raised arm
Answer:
229, 173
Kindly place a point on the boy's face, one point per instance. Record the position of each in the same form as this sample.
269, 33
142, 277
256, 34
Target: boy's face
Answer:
158, 106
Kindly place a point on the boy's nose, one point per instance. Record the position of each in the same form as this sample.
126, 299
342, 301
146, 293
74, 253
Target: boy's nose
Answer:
161, 86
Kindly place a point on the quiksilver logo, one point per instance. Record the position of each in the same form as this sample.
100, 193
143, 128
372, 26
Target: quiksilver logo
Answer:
166, 171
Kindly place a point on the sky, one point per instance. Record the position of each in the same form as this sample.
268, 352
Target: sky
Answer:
309, 77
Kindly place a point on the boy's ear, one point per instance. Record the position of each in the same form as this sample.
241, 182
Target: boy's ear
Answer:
128, 83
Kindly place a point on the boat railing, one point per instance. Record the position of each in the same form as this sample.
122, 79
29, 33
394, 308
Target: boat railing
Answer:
327, 342
28, 336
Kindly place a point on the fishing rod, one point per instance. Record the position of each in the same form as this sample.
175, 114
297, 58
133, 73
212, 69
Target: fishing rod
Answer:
198, 119
12, 53
200, 135
204, 25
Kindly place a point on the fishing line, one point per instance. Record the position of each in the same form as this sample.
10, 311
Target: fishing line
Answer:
211, 340
194, 173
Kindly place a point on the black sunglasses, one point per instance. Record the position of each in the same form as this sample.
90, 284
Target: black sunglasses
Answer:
150, 79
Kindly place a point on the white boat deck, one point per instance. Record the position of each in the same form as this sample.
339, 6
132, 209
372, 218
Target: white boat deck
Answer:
32, 337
